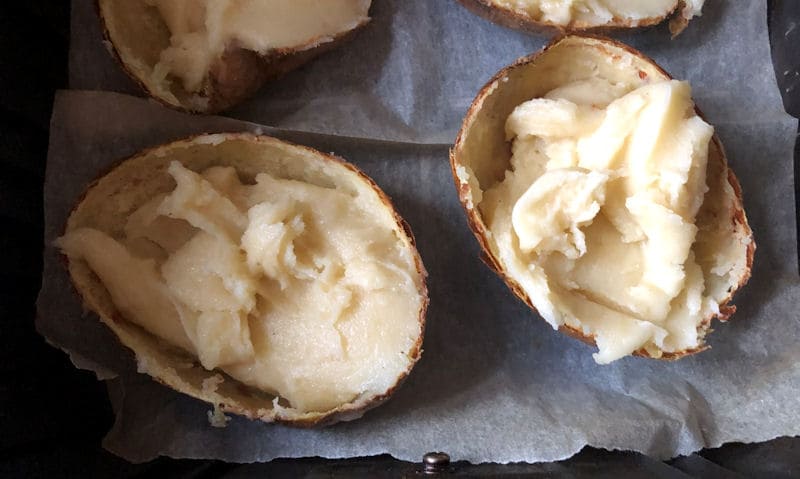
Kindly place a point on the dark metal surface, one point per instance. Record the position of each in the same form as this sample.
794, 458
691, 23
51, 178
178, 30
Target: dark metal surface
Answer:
53, 416
784, 32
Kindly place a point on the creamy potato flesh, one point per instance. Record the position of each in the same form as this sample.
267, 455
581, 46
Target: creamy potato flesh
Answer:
201, 30
596, 217
286, 286
596, 12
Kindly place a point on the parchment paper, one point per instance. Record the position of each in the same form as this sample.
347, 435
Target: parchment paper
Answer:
495, 384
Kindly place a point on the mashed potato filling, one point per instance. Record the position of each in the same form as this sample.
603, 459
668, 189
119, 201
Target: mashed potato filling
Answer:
596, 217
202, 29
598, 12
286, 286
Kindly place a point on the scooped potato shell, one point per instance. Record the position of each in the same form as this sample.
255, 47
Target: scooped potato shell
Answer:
236, 76
678, 17
481, 154
137, 179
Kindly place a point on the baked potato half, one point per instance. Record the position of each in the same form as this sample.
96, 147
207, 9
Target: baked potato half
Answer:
603, 199
547, 16
268, 279
206, 56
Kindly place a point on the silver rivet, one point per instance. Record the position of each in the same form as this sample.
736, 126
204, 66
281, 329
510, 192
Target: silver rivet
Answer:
435, 462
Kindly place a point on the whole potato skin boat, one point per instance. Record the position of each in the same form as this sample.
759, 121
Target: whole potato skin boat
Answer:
480, 156
143, 176
236, 75
678, 16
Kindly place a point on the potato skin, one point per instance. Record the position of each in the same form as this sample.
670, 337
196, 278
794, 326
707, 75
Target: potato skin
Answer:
519, 21
239, 73
173, 368
481, 233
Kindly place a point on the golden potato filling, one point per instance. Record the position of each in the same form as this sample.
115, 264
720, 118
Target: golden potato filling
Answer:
289, 287
596, 12
596, 217
201, 30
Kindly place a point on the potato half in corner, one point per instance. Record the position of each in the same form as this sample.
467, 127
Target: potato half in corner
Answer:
547, 16
603, 199
268, 279
205, 56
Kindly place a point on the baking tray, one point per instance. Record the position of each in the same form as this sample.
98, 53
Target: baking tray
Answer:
53, 416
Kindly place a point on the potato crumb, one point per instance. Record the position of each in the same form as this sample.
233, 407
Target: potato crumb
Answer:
217, 417
211, 384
